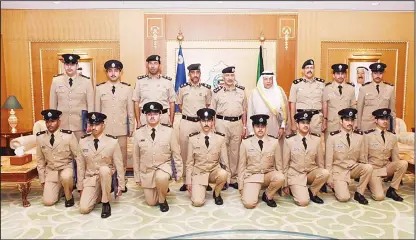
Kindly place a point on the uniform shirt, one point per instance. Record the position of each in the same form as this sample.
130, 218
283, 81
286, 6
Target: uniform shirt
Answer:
159, 89
229, 102
201, 159
150, 155
71, 100
337, 101
194, 97
254, 162
118, 107
307, 94
108, 154
51, 159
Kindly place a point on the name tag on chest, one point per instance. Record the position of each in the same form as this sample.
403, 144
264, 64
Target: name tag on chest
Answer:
251, 150
84, 150
339, 146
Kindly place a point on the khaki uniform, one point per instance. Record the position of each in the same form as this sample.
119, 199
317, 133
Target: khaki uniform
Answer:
100, 166
370, 100
203, 165
337, 102
119, 109
54, 164
345, 161
378, 153
72, 100
302, 167
152, 161
159, 90
192, 98
308, 96
230, 102
258, 167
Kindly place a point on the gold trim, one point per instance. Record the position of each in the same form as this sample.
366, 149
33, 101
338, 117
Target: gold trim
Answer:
32, 89
360, 41
367, 54
161, 26
225, 13
405, 81
281, 28
72, 52
41, 79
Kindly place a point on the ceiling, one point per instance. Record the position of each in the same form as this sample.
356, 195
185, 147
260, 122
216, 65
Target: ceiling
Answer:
217, 6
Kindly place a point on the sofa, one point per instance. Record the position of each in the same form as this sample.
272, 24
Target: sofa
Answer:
29, 142
406, 143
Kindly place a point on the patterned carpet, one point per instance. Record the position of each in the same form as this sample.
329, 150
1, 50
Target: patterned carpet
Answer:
132, 218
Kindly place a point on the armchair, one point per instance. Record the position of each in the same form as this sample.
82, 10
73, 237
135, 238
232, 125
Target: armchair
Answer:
29, 142
406, 141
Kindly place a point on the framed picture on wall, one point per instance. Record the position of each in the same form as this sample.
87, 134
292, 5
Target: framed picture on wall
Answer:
359, 71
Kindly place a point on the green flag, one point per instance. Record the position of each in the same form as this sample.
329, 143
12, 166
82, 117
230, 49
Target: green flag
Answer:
260, 67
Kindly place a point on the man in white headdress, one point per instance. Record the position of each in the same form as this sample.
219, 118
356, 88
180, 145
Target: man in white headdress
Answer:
363, 76
269, 98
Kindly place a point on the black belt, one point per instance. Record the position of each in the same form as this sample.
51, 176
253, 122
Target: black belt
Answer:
314, 111
231, 119
164, 110
192, 119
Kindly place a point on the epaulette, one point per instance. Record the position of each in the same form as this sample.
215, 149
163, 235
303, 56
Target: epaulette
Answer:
40, 133
358, 132
141, 77
66, 131
296, 81
166, 125
249, 136
366, 83
128, 84
335, 132
221, 134
193, 134
328, 83
84, 76
111, 136
319, 79
86, 135
141, 126
100, 84
185, 84
391, 84
240, 87
391, 131
166, 77
350, 83
57, 75
217, 89
272, 136
290, 135
206, 85
315, 134
369, 131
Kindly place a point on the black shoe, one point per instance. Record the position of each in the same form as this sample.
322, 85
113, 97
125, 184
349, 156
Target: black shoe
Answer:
234, 185
270, 203
391, 193
218, 200
168, 189
125, 190
315, 199
183, 188
70, 202
209, 188
360, 198
164, 207
106, 212
225, 187
324, 189
280, 191
357, 179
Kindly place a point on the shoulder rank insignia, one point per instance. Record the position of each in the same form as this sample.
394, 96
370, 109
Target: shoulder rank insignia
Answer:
391, 131
141, 77
335, 132
100, 84
328, 83
66, 131
366, 83
358, 132
315, 134
166, 77
240, 87
272, 136
369, 131
296, 81
128, 84
221, 134
86, 135
193, 134
84, 76
249, 136
57, 75
166, 125
217, 89
40, 133
141, 126
350, 83
206, 85
391, 84
111, 136
185, 84
319, 79
290, 135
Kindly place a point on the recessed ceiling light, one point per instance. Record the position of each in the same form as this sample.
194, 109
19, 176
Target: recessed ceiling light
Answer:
56, 2
375, 3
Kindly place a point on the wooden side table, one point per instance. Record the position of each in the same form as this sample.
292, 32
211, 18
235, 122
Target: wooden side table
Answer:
7, 136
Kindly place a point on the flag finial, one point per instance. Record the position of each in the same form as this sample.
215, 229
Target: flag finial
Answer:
180, 37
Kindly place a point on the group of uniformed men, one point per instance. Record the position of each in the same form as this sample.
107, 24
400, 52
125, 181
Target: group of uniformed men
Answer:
213, 145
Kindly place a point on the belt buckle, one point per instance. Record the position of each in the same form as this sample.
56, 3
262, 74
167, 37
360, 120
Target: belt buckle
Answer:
234, 119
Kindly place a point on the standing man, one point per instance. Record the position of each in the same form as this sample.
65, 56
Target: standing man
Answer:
153, 87
113, 99
381, 145
306, 95
375, 95
72, 93
230, 103
337, 96
156, 157
206, 150
260, 164
103, 157
55, 149
303, 162
345, 159
192, 96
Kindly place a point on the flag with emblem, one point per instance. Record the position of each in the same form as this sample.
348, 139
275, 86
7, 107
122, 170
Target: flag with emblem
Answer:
180, 74
260, 66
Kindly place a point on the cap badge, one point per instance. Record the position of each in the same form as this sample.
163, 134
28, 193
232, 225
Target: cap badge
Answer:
49, 114
305, 115
384, 112
70, 58
152, 107
157, 58
232, 69
113, 65
350, 114
261, 120
311, 62
93, 117
339, 67
378, 66
206, 114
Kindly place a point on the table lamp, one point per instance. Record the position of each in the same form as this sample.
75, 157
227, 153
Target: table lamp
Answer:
12, 103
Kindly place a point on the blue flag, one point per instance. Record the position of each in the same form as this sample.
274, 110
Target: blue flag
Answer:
180, 74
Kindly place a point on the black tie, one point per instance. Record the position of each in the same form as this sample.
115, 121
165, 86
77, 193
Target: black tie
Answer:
52, 139
96, 143
348, 139
153, 134
378, 89
382, 135
261, 144
206, 141
114, 89
340, 89
70, 82
304, 143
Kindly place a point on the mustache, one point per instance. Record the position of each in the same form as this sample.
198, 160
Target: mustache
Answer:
113, 76
206, 126
309, 72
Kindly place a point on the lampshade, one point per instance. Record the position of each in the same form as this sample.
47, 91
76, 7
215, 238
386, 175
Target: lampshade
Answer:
12, 103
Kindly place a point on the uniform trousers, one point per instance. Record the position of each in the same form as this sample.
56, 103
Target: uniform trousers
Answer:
185, 128
316, 178
52, 189
93, 192
156, 195
217, 176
